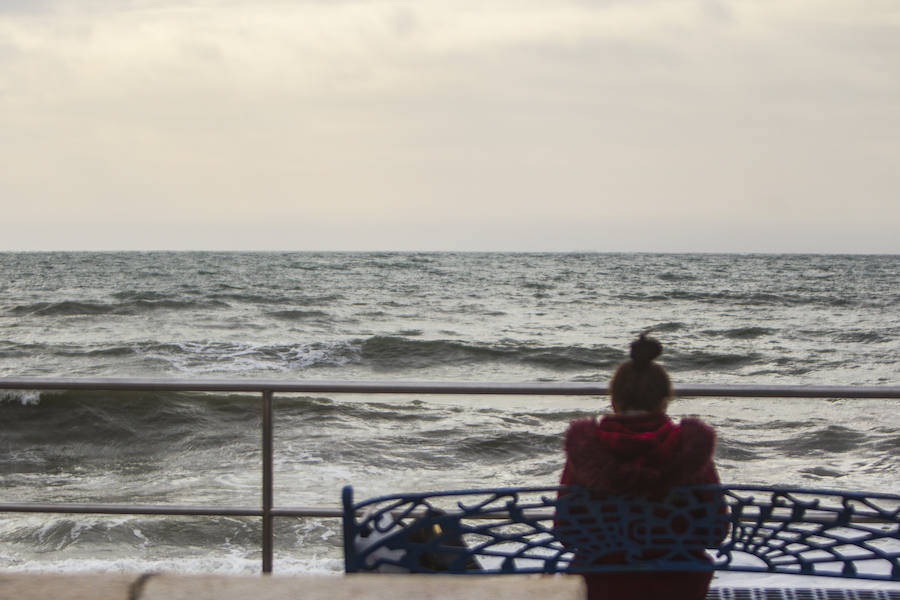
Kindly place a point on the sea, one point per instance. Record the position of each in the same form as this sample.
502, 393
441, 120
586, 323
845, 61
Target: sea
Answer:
404, 316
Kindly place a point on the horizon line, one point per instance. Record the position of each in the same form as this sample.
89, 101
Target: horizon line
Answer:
445, 251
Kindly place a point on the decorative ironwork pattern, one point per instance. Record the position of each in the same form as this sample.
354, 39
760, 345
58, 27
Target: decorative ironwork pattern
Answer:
549, 530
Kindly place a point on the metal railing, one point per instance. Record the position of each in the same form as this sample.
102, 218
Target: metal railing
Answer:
267, 388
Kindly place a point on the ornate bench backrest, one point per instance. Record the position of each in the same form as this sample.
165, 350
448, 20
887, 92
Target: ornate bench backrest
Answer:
550, 530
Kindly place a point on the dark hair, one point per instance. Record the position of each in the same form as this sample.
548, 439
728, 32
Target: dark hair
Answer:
640, 383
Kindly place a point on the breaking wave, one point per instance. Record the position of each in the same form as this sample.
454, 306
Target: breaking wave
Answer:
69, 308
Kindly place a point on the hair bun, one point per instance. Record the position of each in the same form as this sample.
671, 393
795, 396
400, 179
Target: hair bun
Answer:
644, 350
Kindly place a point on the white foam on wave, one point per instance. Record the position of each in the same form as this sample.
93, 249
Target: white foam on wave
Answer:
23, 397
228, 564
322, 353
203, 358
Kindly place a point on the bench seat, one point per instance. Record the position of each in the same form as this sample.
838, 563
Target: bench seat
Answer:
753, 529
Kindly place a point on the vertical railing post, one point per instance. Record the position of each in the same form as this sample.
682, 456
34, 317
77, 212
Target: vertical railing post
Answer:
267, 531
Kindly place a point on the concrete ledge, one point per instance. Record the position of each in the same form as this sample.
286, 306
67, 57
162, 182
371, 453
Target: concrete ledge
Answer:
28, 586
374, 587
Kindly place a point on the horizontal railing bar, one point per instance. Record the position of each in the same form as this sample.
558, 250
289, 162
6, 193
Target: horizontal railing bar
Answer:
204, 511
169, 510
324, 512
313, 511
130, 509
451, 388
787, 391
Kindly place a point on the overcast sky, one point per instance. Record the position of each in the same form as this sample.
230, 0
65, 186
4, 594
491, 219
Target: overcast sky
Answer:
615, 125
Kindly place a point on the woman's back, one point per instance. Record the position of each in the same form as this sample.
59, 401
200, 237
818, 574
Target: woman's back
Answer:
640, 451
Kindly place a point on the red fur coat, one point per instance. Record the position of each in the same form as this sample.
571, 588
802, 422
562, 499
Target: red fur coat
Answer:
641, 454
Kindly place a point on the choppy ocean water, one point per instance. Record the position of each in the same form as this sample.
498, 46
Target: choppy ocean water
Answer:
404, 316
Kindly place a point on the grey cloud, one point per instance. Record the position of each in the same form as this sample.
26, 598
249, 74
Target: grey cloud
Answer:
27, 6
790, 117
403, 21
717, 10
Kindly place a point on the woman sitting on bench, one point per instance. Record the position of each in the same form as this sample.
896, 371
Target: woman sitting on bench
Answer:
640, 451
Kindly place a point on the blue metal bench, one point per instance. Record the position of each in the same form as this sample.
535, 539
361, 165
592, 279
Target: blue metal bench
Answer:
564, 530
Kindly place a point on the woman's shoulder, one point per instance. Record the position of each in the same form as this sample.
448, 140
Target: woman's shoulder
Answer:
697, 440
580, 427
695, 427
